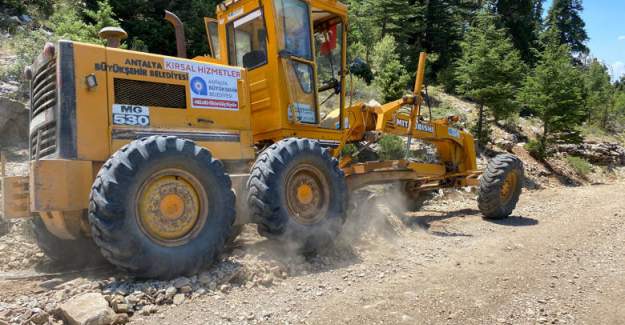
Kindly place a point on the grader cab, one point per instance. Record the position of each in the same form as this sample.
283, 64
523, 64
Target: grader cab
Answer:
154, 162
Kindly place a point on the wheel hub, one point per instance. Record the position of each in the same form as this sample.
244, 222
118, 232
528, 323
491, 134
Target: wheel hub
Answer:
307, 194
508, 186
169, 207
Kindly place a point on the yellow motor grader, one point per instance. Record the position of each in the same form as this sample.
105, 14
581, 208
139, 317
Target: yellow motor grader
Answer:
154, 162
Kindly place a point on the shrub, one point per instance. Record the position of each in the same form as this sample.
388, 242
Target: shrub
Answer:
581, 166
536, 149
392, 147
65, 23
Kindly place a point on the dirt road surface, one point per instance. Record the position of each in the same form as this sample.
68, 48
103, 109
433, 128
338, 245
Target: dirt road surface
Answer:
560, 259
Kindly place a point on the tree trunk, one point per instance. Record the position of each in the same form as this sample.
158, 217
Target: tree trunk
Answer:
480, 124
543, 139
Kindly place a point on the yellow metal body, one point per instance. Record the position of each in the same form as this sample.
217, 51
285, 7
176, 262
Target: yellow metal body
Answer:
269, 98
98, 137
267, 111
60, 185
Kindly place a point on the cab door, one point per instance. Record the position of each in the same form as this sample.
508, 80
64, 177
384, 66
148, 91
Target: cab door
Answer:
296, 59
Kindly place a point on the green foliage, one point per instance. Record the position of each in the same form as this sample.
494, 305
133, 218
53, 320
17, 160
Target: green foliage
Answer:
536, 149
27, 45
66, 23
598, 92
490, 69
619, 85
445, 22
553, 90
523, 18
391, 147
616, 122
580, 165
483, 135
391, 77
143, 20
565, 19
364, 32
400, 19
21, 7
349, 149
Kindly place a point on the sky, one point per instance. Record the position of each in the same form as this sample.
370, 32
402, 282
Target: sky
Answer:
605, 25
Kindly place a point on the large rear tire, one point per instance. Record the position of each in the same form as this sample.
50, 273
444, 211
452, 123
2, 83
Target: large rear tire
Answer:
500, 186
162, 207
73, 253
298, 194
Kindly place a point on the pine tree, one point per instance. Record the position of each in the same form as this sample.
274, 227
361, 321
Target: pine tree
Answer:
364, 32
620, 84
598, 93
490, 70
445, 21
553, 90
565, 17
523, 18
616, 122
143, 21
391, 78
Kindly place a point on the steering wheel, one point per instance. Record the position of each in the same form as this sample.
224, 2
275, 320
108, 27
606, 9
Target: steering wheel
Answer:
332, 83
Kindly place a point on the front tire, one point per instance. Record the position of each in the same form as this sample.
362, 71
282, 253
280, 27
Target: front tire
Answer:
161, 207
500, 186
298, 194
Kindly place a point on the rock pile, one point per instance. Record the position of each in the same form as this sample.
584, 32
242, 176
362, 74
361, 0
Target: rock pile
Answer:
601, 153
18, 249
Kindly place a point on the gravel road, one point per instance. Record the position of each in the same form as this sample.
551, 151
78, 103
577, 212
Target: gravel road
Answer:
560, 259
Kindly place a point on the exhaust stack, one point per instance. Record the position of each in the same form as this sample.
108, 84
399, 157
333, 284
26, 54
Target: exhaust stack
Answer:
179, 28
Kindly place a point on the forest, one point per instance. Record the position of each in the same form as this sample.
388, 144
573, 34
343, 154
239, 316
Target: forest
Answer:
510, 57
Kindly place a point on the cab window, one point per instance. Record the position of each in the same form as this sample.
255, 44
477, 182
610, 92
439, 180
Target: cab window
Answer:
329, 56
212, 28
247, 41
295, 21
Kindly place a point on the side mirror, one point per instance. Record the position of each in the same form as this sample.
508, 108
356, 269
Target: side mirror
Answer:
361, 69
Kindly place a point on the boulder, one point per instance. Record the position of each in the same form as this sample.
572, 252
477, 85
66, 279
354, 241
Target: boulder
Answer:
13, 122
88, 309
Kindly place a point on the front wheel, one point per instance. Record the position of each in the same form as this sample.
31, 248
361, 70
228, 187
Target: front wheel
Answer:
500, 186
161, 207
298, 194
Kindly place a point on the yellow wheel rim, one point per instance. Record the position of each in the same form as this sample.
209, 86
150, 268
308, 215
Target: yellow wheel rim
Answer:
508, 187
307, 194
171, 207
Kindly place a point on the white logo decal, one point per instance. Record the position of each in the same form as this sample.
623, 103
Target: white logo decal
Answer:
212, 86
424, 128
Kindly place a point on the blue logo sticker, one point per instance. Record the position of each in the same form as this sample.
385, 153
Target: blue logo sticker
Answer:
198, 86
454, 133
